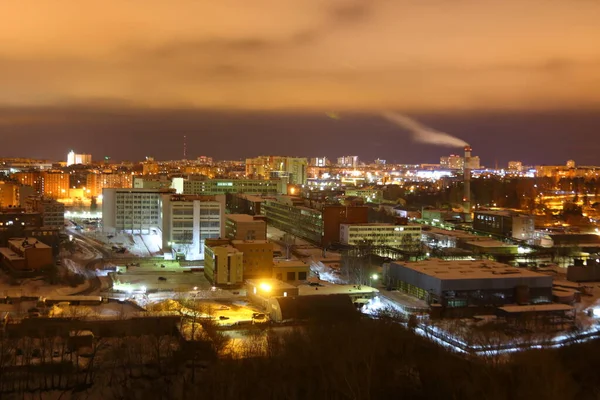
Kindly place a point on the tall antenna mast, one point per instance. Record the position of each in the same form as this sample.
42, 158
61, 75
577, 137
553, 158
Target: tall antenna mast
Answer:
184, 147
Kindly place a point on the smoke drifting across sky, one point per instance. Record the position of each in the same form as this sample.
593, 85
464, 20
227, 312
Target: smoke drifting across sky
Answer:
422, 133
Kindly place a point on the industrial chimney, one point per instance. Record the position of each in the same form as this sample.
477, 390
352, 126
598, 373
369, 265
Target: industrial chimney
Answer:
467, 185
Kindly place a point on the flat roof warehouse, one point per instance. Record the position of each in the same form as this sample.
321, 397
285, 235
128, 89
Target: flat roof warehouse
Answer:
439, 276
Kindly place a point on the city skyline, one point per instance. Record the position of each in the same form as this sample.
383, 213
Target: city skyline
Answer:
132, 134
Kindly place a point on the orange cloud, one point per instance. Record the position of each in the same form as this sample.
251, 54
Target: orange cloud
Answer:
310, 54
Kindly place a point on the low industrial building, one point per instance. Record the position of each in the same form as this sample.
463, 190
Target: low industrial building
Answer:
315, 308
290, 270
455, 284
199, 185
505, 223
285, 302
26, 254
241, 203
380, 234
475, 244
245, 227
319, 224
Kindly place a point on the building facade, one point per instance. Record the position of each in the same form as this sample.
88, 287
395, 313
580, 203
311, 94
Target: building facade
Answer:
257, 258
245, 227
263, 167
51, 211
505, 223
75, 159
187, 221
132, 210
223, 263
223, 186
98, 181
406, 237
347, 161
55, 184
320, 226
469, 283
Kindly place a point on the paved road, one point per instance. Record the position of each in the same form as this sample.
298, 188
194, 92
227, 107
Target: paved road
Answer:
97, 263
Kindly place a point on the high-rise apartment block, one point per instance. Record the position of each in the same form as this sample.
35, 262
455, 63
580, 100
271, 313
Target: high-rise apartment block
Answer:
264, 167
347, 161
55, 184
97, 181
457, 162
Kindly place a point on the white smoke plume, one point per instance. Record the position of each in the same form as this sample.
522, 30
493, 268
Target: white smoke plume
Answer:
422, 133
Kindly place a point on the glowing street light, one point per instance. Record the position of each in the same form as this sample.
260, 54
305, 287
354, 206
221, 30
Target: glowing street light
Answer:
265, 287
375, 277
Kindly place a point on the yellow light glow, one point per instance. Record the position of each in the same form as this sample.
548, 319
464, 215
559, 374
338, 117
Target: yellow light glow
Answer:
265, 287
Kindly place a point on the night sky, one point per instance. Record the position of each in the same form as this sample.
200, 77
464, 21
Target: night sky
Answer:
518, 79
535, 138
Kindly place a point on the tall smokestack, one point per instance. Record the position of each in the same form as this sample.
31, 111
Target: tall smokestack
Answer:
467, 177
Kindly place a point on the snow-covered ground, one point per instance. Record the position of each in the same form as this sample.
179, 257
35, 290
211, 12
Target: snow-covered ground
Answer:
37, 287
136, 245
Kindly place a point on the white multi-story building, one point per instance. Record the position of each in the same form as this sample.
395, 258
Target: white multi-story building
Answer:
132, 210
379, 234
74, 159
319, 162
187, 221
347, 161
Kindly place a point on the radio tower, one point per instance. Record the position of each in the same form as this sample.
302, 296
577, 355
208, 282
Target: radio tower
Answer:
184, 147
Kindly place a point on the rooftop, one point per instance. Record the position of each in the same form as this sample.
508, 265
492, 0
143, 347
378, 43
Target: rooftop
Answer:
243, 218
273, 283
307, 290
253, 198
384, 225
288, 264
504, 213
9, 254
536, 308
461, 270
25, 243
490, 243
465, 236
238, 242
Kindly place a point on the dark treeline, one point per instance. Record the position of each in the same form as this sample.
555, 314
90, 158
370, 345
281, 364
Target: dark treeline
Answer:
353, 359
